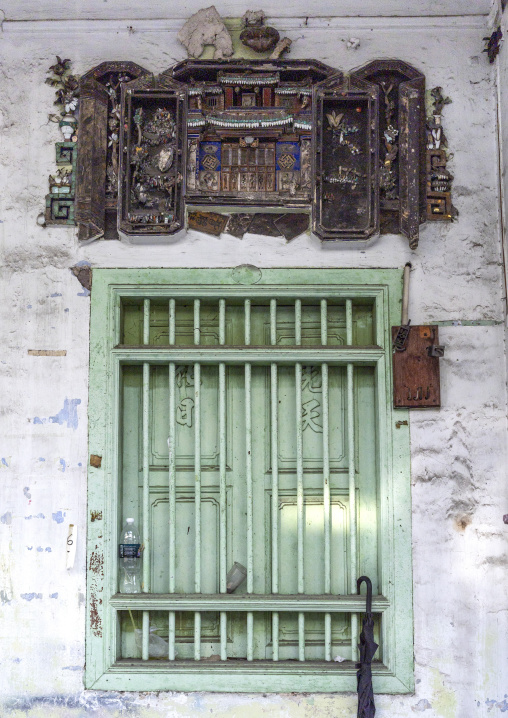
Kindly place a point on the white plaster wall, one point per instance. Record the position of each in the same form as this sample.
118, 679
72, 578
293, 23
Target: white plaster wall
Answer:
458, 453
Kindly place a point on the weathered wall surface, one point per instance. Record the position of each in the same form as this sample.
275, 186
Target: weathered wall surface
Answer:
458, 453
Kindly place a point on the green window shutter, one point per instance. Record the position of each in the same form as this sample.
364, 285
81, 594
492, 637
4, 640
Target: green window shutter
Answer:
197, 383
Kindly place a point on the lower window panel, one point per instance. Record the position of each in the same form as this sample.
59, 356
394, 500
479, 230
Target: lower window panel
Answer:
324, 637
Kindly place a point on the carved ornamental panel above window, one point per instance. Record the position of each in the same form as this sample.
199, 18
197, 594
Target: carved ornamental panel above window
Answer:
287, 135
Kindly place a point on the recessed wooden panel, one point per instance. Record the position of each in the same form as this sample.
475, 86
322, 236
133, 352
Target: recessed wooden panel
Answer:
416, 382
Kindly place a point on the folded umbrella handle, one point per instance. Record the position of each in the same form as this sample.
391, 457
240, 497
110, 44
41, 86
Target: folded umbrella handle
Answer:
366, 579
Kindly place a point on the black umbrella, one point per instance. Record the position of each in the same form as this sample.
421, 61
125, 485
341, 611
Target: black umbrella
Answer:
366, 707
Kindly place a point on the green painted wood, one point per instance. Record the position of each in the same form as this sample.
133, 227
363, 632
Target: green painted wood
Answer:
361, 356
264, 677
379, 452
254, 602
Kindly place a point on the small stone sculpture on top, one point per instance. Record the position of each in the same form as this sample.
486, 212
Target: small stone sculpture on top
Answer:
205, 27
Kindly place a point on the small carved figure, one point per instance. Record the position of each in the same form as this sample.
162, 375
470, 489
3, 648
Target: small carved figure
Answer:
493, 44
61, 66
208, 181
345, 176
305, 164
62, 178
439, 100
165, 159
334, 119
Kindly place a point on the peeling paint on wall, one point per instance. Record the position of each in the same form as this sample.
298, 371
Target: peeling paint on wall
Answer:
84, 703
421, 706
501, 705
67, 415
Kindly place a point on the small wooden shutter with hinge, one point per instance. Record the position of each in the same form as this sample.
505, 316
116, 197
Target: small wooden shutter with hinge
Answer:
346, 189
92, 155
411, 99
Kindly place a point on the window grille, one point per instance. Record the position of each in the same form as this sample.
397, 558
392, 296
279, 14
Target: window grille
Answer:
249, 425
212, 101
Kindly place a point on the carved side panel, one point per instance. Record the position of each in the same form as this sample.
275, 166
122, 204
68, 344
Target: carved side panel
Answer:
151, 168
98, 147
346, 174
402, 165
411, 98
92, 152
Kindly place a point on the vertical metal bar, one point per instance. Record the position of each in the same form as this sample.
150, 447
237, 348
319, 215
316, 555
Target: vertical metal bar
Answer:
352, 477
222, 480
172, 481
248, 479
326, 479
301, 636
146, 455
146, 321
172, 477
197, 481
197, 325
197, 635
145, 636
171, 636
275, 477
299, 478
197, 505
299, 449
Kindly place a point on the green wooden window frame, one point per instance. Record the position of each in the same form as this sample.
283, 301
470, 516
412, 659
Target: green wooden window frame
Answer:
379, 289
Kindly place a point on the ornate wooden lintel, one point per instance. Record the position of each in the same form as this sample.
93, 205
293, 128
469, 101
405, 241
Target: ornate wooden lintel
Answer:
288, 135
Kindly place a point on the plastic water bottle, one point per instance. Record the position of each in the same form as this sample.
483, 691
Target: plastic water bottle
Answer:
129, 559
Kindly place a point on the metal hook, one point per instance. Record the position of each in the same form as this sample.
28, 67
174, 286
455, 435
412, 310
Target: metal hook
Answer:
366, 579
